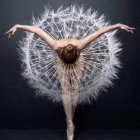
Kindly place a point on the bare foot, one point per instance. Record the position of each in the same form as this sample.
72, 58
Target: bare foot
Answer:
70, 130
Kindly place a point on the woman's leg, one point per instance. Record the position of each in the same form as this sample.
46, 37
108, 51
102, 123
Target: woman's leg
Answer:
67, 104
66, 100
68, 108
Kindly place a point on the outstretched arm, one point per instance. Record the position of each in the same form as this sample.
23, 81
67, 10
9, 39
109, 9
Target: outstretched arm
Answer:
88, 39
43, 35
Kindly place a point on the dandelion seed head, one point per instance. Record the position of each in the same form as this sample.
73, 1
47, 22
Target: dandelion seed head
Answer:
93, 72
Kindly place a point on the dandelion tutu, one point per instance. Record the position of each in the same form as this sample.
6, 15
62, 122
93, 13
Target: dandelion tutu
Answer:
89, 75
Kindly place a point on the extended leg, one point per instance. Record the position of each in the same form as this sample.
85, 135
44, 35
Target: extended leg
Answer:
67, 101
68, 108
67, 104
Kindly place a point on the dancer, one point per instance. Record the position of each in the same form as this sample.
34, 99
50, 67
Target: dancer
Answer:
69, 51
70, 55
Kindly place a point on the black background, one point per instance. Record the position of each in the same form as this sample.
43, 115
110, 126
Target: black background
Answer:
20, 108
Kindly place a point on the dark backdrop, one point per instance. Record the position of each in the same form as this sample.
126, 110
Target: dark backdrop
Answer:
20, 108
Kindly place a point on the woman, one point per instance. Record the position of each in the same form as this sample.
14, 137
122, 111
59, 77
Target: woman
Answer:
68, 51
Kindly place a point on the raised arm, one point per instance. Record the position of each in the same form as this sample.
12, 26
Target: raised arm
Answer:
43, 35
88, 39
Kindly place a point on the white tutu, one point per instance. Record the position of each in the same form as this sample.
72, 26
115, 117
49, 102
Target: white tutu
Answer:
100, 57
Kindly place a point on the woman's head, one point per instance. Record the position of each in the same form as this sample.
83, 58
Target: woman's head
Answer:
69, 54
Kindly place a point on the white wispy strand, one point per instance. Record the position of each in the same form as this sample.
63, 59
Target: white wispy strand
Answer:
40, 62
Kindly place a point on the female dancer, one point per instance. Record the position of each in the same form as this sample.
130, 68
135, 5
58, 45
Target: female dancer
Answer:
68, 51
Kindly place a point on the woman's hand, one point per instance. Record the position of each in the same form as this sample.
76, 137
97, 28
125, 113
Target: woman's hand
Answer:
11, 31
126, 28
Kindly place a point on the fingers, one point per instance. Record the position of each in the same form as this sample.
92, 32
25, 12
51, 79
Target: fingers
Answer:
7, 32
13, 33
130, 29
127, 28
9, 35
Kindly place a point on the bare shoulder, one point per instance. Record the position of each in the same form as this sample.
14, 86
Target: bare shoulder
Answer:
64, 42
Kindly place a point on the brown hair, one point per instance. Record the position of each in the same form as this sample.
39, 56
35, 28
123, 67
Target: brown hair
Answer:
69, 54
